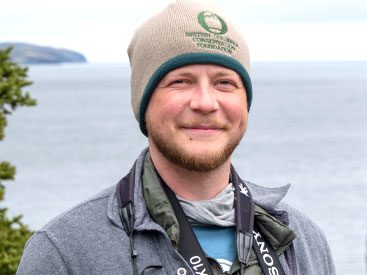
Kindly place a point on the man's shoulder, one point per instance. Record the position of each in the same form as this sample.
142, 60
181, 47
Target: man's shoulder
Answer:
310, 245
89, 212
271, 199
306, 229
70, 241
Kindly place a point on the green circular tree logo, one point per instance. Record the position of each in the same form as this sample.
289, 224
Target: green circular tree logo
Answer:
212, 23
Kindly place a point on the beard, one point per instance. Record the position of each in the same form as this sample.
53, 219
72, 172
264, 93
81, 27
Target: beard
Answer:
186, 157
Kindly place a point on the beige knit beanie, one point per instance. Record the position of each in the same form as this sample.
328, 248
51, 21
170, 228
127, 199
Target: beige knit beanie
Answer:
186, 32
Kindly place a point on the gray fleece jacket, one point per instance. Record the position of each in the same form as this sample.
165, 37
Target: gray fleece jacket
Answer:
90, 239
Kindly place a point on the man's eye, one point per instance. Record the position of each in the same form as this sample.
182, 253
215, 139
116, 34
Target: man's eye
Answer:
226, 83
179, 82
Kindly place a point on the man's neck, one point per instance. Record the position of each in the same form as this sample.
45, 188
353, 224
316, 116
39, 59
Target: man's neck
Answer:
191, 185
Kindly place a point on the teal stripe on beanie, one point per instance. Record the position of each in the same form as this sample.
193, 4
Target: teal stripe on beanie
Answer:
189, 59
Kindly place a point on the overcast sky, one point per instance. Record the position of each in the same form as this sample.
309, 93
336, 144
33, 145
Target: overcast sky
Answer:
274, 29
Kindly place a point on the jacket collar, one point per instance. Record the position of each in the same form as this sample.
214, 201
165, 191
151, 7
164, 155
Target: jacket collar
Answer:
143, 221
265, 197
160, 209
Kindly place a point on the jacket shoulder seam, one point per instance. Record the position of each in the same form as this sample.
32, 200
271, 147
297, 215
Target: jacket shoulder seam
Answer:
58, 249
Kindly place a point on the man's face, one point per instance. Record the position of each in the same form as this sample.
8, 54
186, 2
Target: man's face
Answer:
197, 116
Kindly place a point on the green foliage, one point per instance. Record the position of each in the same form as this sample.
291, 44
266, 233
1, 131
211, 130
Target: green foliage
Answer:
7, 172
13, 233
2, 124
13, 79
13, 236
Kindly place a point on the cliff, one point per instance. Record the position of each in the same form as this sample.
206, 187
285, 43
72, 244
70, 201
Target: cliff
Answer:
24, 53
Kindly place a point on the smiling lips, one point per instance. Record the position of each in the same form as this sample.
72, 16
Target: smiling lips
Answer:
207, 125
203, 129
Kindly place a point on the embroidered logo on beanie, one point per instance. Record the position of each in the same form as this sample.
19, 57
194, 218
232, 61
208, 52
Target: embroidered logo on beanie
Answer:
212, 22
214, 37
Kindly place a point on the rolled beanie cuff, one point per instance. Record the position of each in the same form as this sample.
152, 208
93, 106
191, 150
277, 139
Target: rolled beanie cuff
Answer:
190, 59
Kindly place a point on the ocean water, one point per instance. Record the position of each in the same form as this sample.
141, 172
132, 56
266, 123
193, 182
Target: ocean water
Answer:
307, 127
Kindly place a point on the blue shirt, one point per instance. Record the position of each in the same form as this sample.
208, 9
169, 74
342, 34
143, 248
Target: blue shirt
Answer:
218, 243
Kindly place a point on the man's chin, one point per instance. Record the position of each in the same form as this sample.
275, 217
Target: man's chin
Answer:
202, 154
200, 163
197, 157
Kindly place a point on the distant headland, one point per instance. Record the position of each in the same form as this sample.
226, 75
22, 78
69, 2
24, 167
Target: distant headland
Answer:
25, 53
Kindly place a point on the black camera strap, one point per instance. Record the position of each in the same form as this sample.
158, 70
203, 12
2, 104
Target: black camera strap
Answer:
266, 256
189, 246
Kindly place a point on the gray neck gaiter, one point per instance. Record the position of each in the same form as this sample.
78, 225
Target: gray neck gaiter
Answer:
217, 211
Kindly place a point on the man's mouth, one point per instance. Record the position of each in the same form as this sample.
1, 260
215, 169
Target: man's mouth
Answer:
203, 127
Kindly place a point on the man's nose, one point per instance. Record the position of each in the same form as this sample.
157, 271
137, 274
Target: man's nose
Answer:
204, 99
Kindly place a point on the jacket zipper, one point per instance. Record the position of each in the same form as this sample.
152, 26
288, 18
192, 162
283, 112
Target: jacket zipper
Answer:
218, 264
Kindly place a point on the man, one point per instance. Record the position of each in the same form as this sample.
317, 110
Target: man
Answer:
183, 209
